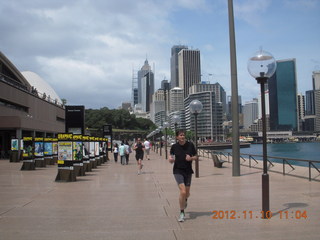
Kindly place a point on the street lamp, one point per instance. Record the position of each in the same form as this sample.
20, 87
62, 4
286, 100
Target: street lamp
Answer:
166, 125
160, 129
262, 66
176, 119
196, 108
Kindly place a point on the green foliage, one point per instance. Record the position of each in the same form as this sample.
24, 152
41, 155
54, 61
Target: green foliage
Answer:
118, 118
190, 135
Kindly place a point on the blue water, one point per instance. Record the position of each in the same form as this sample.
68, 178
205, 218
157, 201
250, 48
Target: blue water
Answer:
305, 151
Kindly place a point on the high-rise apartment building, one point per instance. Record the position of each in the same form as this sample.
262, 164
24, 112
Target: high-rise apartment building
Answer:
209, 120
283, 97
301, 110
220, 93
189, 69
174, 64
250, 113
176, 99
147, 90
157, 108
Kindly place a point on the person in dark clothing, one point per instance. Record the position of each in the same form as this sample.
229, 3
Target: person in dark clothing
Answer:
182, 154
139, 148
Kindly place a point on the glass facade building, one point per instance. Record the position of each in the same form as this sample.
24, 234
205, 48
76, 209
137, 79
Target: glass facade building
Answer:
283, 97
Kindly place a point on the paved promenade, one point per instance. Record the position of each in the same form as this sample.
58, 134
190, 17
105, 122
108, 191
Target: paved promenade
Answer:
113, 202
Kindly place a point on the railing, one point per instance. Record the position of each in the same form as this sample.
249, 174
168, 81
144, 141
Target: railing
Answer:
253, 157
22, 87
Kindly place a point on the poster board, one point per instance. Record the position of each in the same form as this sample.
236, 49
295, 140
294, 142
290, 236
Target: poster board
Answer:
27, 153
64, 148
91, 147
86, 147
54, 146
38, 147
14, 144
48, 150
77, 147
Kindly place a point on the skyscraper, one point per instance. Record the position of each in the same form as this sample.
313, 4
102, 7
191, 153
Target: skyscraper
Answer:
283, 97
189, 69
174, 64
147, 90
316, 80
145, 69
250, 113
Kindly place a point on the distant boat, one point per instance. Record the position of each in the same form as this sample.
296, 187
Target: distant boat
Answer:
246, 139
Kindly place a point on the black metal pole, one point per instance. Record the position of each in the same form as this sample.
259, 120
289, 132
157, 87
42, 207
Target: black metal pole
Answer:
165, 142
160, 144
265, 176
196, 143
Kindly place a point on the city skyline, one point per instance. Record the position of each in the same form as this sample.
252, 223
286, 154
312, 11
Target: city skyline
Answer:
87, 50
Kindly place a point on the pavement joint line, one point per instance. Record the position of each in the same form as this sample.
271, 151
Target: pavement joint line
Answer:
7, 211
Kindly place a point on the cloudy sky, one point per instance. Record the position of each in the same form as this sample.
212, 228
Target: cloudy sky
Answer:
87, 50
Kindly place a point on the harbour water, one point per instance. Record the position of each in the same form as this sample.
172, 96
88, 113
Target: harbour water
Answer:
303, 150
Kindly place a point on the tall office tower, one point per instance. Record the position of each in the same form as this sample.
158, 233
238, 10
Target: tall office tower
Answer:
145, 69
229, 110
220, 93
317, 110
310, 107
176, 99
134, 97
147, 90
283, 97
165, 85
209, 120
316, 80
174, 65
310, 117
250, 113
189, 69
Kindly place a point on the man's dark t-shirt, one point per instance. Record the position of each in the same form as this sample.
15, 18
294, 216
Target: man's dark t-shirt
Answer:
181, 165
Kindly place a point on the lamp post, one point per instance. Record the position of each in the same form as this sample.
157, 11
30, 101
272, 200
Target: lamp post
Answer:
160, 129
166, 125
262, 66
176, 119
196, 108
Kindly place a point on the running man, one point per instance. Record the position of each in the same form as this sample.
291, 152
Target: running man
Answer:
139, 148
182, 154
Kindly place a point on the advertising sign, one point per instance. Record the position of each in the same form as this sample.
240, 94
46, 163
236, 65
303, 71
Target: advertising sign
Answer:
38, 147
77, 147
14, 144
54, 146
86, 147
64, 147
48, 147
27, 148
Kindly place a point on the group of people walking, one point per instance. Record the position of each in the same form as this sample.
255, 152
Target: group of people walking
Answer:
182, 153
125, 149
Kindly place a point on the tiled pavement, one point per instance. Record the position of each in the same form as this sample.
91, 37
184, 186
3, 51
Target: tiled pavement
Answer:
113, 202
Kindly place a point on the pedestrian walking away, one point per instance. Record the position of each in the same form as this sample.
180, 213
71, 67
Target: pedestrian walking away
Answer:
122, 153
115, 152
147, 148
182, 154
139, 148
128, 151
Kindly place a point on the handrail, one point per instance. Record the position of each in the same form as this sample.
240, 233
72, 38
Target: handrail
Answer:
285, 161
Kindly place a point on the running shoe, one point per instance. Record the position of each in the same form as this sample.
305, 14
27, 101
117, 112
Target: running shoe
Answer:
181, 217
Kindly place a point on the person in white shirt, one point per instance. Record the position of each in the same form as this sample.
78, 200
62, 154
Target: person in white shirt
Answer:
147, 148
